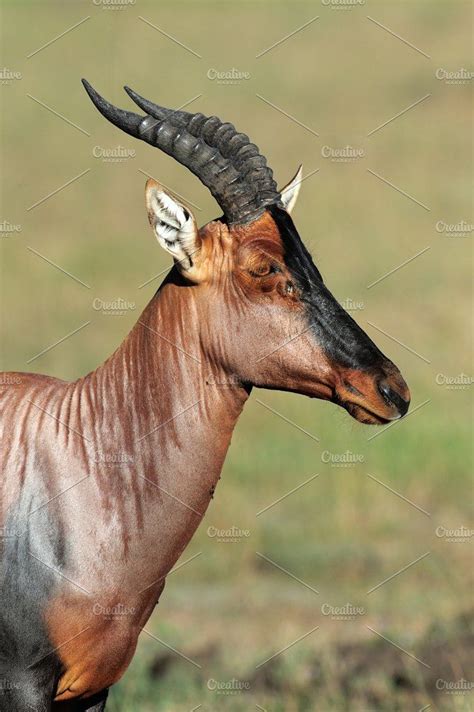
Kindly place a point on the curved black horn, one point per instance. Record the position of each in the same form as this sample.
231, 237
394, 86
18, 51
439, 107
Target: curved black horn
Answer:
223, 159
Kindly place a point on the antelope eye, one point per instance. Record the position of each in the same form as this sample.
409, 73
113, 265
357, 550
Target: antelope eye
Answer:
264, 270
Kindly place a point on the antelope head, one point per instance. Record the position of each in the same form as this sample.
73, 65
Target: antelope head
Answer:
265, 313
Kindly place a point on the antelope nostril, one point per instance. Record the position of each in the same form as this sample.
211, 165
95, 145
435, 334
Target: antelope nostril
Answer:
393, 398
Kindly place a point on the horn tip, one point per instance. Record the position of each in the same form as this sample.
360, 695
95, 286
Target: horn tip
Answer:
130, 91
90, 90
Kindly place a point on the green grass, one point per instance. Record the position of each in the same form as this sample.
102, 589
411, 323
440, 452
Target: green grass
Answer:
342, 533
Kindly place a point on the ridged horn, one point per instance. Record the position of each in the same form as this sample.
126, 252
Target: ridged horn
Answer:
222, 158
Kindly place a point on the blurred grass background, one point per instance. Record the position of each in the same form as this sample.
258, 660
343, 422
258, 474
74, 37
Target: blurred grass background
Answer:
342, 533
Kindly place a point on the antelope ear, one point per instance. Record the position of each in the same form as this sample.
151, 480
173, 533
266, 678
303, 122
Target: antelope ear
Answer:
174, 227
289, 193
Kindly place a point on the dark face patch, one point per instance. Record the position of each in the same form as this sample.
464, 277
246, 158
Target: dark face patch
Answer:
336, 332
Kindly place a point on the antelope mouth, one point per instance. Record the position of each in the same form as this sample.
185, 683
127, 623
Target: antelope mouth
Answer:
385, 399
367, 416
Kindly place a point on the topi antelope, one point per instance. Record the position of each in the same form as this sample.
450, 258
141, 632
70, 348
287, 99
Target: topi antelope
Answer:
106, 478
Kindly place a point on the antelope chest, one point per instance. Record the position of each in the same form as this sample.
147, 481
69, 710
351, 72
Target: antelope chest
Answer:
95, 639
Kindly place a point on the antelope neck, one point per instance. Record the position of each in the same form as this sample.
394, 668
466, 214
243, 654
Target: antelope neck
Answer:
160, 397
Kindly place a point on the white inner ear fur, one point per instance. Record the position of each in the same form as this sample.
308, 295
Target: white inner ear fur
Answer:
173, 225
289, 194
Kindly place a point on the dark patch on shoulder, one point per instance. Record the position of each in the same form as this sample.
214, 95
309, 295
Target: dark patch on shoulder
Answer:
29, 667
